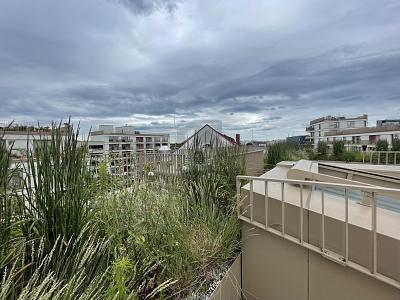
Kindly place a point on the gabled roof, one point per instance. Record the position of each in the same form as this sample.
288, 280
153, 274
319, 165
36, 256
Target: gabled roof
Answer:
226, 137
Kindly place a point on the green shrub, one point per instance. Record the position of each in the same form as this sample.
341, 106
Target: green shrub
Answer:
338, 148
396, 144
322, 151
382, 145
282, 151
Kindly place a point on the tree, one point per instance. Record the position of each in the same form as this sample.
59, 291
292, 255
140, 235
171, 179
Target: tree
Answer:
322, 149
396, 144
382, 145
338, 150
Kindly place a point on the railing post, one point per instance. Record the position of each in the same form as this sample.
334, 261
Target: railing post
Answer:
395, 154
251, 200
387, 157
374, 225
266, 203
301, 214
323, 219
370, 157
283, 207
238, 197
363, 156
346, 250
379, 157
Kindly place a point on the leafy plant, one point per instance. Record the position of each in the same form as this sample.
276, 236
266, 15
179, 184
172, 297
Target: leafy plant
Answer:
396, 144
382, 145
322, 150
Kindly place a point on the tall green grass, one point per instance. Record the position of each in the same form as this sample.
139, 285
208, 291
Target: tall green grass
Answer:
282, 151
70, 235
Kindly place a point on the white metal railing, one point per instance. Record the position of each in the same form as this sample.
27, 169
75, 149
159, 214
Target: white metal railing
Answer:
381, 157
329, 254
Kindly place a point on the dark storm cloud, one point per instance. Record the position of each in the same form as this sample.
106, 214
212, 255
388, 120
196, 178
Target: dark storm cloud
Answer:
259, 66
148, 6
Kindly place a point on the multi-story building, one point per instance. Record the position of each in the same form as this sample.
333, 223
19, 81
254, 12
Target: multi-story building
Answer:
24, 136
364, 138
319, 127
387, 122
118, 145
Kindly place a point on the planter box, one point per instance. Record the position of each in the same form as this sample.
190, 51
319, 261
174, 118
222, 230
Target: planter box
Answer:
229, 287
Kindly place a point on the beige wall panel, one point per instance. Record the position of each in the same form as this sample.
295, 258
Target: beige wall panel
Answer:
272, 268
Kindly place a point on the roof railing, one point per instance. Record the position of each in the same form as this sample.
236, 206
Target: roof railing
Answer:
321, 249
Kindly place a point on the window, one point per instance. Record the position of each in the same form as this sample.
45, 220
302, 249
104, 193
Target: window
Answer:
350, 124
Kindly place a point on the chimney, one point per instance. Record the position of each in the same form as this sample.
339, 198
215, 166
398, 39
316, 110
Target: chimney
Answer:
238, 138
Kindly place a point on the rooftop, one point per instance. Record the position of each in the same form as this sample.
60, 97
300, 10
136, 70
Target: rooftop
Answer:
337, 118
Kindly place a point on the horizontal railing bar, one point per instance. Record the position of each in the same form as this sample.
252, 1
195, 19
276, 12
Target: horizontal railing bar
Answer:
319, 183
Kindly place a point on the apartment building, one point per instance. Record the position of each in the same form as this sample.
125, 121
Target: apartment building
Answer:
25, 136
319, 127
118, 146
364, 138
387, 122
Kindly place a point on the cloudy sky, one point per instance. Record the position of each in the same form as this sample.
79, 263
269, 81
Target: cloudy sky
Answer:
264, 68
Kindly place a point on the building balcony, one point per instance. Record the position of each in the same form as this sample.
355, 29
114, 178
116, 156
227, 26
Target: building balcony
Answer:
310, 128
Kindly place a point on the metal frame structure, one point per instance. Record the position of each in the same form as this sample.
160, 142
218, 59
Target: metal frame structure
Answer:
336, 257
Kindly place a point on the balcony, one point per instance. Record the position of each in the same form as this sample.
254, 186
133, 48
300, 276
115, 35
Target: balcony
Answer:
310, 128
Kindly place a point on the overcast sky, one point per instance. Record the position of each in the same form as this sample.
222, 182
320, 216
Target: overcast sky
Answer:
270, 65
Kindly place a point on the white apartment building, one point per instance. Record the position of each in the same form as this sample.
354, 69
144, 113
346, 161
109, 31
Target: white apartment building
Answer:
24, 137
118, 145
319, 127
367, 137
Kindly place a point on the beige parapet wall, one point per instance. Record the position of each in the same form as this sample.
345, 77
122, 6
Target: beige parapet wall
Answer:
274, 268
230, 286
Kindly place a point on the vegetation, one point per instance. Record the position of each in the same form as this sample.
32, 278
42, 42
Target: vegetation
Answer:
396, 144
382, 145
282, 151
322, 151
69, 235
337, 152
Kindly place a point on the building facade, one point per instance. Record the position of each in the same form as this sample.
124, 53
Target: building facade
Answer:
117, 147
319, 127
300, 140
387, 122
23, 137
367, 137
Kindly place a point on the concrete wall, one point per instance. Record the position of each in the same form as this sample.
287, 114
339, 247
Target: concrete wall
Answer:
274, 268
254, 162
230, 286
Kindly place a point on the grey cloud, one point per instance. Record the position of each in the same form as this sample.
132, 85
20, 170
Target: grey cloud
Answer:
130, 61
148, 6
